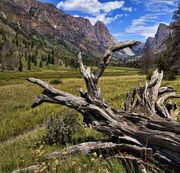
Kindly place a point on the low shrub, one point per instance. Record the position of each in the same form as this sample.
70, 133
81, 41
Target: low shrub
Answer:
56, 81
62, 129
149, 74
169, 75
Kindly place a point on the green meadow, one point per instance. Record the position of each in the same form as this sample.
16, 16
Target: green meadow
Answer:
22, 128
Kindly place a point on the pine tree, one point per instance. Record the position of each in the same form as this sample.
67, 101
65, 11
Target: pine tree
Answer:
20, 68
16, 39
29, 64
49, 59
65, 62
53, 60
36, 53
35, 62
33, 58
25, 55
162, 63
40, 64
31, 44
30, 58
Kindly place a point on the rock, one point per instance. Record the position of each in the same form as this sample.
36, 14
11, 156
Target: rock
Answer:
103, 35
76, 33
158, 44
137, 50
165, 35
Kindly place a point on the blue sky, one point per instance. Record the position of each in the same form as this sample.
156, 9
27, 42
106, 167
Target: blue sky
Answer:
126, 19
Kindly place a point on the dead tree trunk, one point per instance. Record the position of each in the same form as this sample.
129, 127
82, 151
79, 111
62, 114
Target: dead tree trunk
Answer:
144, 131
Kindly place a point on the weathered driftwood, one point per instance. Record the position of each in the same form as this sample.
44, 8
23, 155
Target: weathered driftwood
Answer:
143, 132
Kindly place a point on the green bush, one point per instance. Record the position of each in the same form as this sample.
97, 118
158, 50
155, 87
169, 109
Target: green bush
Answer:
163, 64
56, 81
149, 74
61, 130
169, 75
20, 67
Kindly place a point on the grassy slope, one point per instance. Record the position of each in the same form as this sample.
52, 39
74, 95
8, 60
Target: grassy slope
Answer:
21, 127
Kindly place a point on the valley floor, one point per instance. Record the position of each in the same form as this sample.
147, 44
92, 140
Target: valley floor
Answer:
22, 128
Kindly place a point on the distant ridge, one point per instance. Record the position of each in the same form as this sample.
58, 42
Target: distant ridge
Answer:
158, 44
76, 33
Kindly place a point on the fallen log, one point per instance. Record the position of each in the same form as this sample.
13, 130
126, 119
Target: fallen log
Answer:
145, 131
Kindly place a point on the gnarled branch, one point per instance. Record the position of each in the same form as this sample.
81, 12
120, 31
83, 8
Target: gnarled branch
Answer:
108, 56
145, 122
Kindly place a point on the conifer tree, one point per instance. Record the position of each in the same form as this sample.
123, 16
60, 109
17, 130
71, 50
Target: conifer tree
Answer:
29, 64
20, 68
40, 64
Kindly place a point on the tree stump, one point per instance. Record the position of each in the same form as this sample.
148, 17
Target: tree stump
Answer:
144, 132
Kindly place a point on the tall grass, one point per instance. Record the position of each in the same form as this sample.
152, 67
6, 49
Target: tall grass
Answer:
21, 127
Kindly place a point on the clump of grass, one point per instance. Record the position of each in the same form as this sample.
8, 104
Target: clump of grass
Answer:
19, 106
61, 129
56, 81
18, 119
115, 166
80, 163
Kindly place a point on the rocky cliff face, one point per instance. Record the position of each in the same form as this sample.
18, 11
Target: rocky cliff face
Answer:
75, 32
137, 50
175, 55
165, 43
153, 45
103, 34
158, 44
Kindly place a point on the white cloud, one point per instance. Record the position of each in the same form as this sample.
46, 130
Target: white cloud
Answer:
158, 5
145, 26
145, 31
76, 15
110, 6
90, 6
103, 18
165, 2
94, 10
170, 2
130, 9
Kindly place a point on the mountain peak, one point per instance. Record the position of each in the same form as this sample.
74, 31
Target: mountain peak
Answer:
163, 25
157, 44
103, 34
99, 23
47, 20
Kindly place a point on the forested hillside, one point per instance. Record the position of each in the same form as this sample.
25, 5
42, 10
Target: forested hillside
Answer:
40, 34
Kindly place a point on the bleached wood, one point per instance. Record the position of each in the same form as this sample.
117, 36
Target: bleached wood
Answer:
145, 121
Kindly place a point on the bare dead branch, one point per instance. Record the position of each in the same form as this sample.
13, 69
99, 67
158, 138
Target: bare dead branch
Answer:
108, 56
146, 122
52, 95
